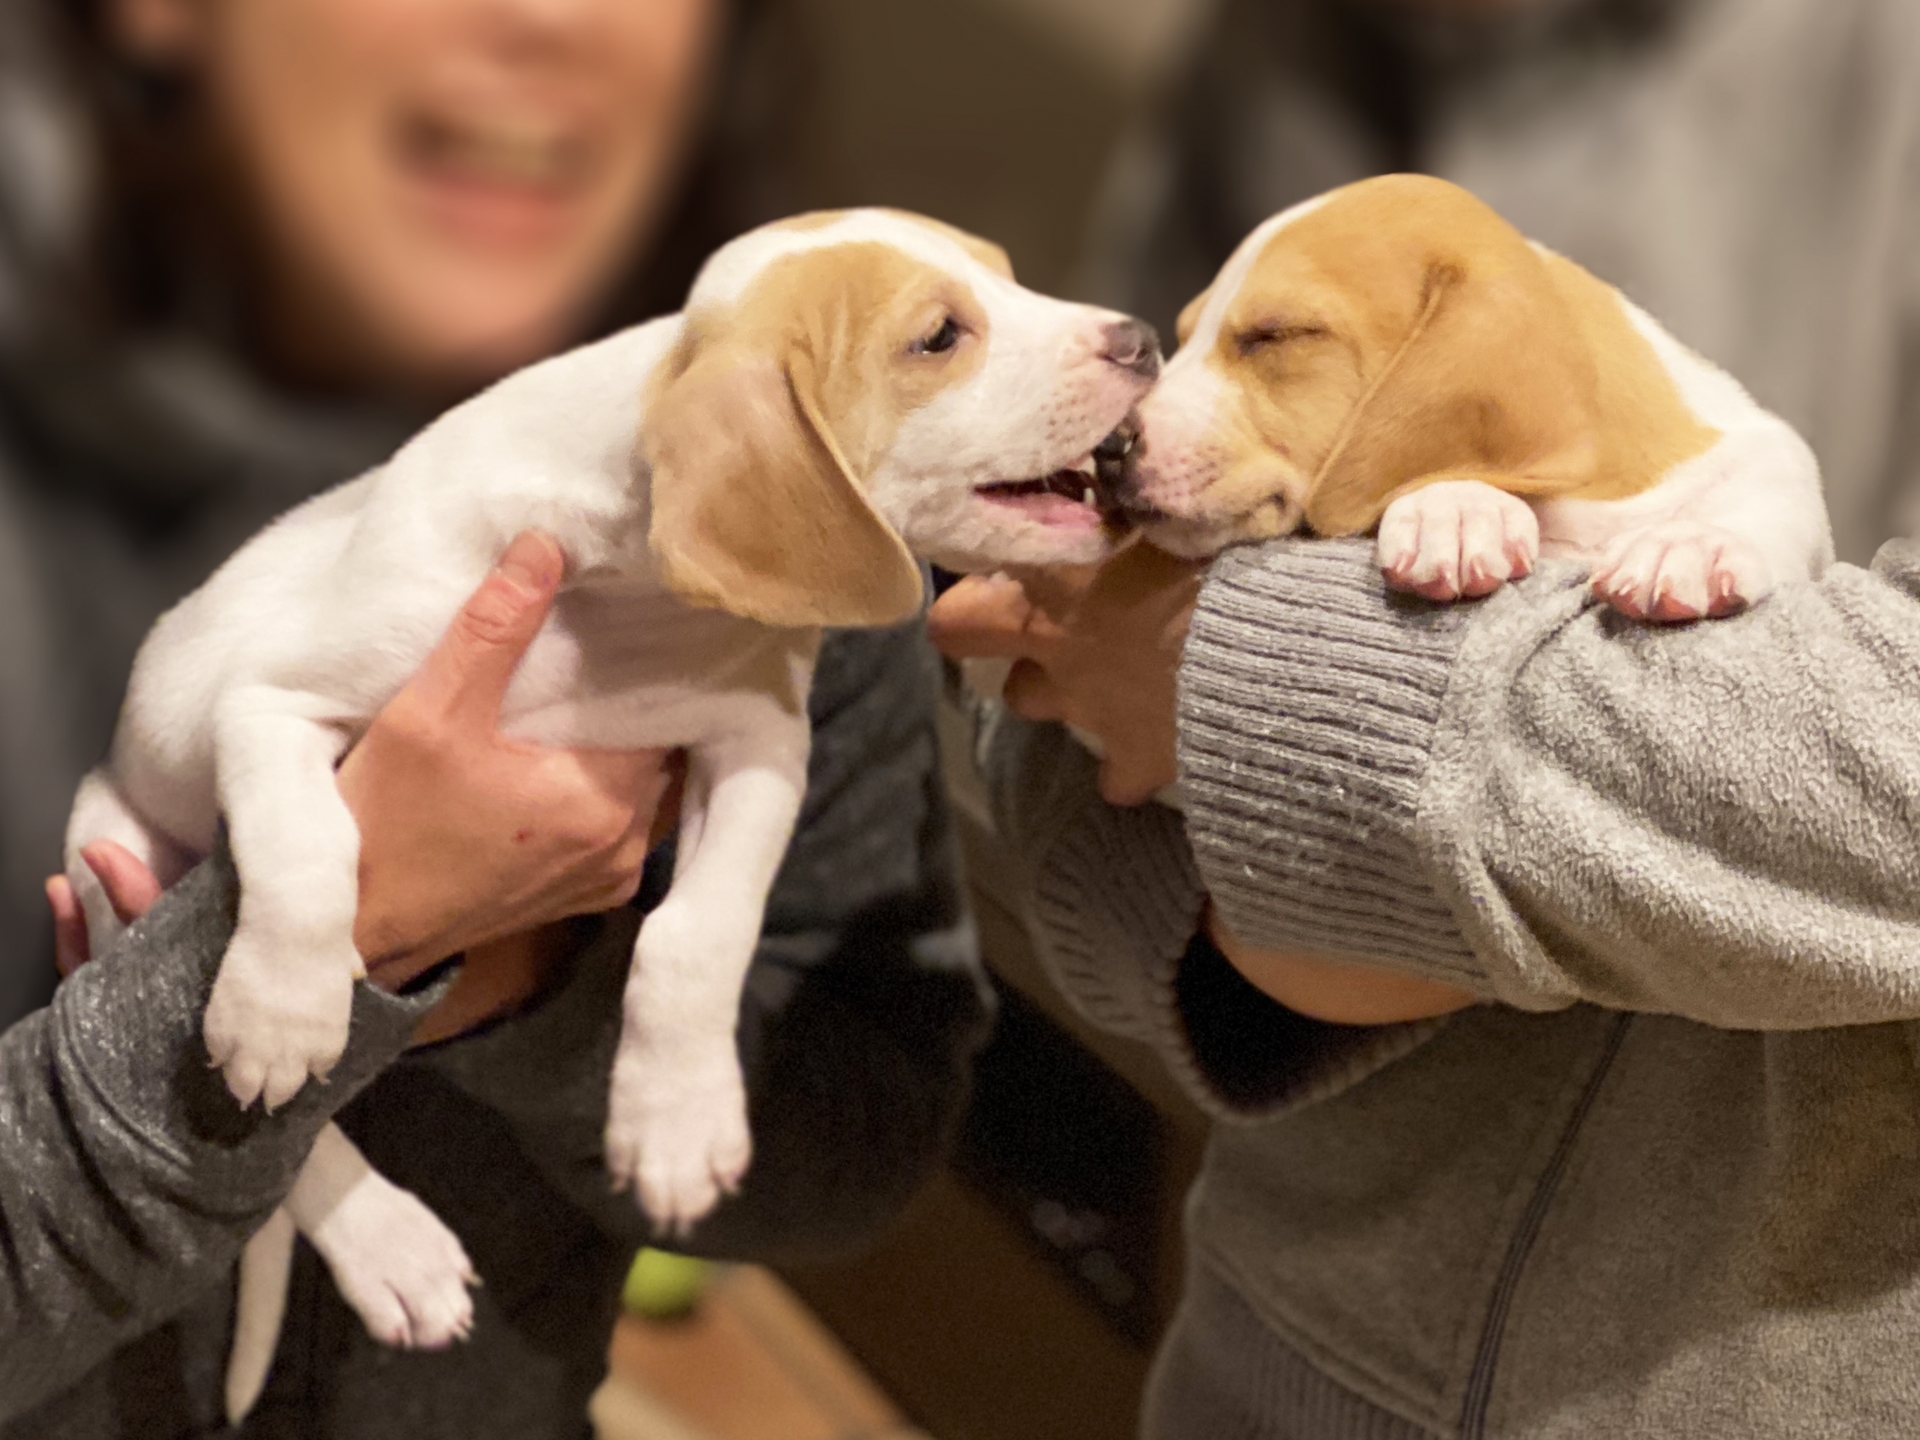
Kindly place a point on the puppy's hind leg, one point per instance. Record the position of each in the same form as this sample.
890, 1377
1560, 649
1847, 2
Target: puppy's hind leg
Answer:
101, 812
396, 1263
404, 1272
677, 1114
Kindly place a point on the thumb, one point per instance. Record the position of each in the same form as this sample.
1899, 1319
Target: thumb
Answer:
1127, 785
985, 617
469, 670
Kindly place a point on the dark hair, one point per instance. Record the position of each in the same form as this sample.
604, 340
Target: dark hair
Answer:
159, 220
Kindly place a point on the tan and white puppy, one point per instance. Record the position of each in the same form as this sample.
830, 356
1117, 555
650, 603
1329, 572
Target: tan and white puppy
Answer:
1394, 353
841, 393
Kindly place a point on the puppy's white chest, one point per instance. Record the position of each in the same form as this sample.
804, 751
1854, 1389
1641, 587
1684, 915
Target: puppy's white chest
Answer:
635, 667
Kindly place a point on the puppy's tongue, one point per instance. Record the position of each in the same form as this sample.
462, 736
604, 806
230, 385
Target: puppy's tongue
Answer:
1047, 507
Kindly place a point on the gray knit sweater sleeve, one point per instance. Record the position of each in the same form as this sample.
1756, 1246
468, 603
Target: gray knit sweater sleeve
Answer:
1115, 903
128, 1177
1547, 804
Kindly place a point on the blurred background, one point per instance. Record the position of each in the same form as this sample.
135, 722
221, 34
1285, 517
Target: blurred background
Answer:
247, 245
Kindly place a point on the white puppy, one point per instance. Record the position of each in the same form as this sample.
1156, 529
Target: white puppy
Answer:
724, 483
1394, 353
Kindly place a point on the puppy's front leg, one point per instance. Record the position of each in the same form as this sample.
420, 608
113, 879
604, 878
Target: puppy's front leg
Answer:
1456, 537
1722, 531
284, 994
677, 1115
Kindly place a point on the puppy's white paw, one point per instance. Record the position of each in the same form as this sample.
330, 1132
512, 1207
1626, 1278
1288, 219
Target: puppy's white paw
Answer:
1680, 570
401, 1269
677, 1133
1455, 539
272, 1022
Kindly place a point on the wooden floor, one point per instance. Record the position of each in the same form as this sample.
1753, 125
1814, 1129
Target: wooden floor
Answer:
752, 1363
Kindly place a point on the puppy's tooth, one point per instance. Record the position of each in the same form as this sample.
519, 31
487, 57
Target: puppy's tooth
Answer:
1087, 497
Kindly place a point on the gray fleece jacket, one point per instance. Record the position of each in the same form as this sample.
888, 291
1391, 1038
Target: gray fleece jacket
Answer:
1665, 1182
128, 1179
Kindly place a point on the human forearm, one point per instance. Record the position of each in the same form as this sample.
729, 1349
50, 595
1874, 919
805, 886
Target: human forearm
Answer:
1342, 992
1541, 804
130, 1179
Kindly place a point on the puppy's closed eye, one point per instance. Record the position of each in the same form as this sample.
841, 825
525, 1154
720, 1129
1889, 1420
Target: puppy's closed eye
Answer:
1254, 338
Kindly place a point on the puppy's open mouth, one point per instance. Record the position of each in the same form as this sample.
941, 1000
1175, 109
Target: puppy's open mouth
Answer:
1088, 492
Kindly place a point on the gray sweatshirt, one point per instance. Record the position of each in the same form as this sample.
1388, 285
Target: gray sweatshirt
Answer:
128, 1179
1666, 1181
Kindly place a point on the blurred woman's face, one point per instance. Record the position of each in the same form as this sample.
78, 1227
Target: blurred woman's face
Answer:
446, 187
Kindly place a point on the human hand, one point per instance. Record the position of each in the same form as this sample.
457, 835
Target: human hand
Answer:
131, 890
1336, 991
469, 841
1100, 649
1095, 647
467, 836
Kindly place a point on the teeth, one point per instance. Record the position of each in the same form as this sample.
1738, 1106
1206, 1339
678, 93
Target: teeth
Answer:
1087, 498
516, 152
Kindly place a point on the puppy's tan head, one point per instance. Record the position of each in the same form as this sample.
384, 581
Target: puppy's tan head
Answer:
1383, 332
856, 389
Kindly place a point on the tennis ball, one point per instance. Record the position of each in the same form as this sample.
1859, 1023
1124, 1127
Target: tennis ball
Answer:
661, 1286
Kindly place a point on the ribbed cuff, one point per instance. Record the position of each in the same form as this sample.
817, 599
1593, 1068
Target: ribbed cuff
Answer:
1117, 899
1309, 702
1116, 907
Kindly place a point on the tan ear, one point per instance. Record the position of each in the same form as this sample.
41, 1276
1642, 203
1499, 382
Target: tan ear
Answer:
1490, 380
755, 509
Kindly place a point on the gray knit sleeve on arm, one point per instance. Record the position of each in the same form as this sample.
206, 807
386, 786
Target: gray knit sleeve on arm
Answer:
1547, 804
1116, 903
129, 1178
1308, 704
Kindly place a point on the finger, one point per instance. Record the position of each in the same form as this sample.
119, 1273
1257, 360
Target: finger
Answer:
1057, 590
985, 617
467, 673
1031, 694
131, 887
69, 926
1123, 785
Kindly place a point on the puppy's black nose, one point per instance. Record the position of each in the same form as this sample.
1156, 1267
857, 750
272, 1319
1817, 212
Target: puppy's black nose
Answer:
1134, 345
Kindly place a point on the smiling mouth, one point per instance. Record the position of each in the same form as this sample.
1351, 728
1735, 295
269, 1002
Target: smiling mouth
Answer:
1089, 490
524, 156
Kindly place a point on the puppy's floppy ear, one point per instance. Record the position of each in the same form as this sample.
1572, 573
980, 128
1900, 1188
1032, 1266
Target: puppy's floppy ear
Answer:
1491, 379
755, 509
